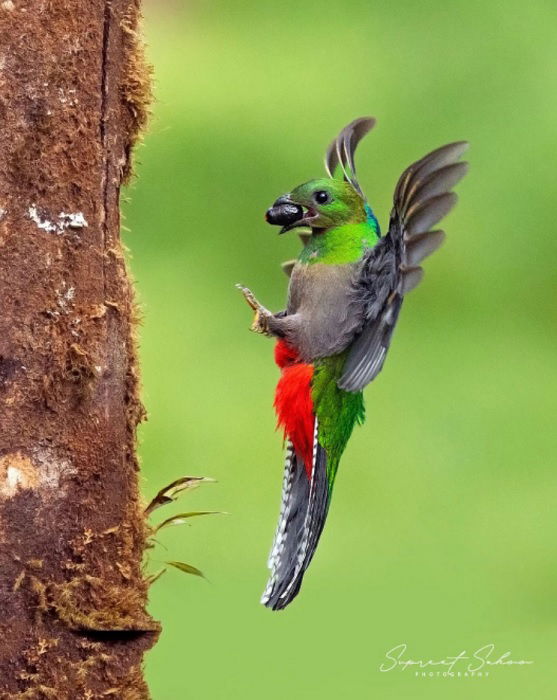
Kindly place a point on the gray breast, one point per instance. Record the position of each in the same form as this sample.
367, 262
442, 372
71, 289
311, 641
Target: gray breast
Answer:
329, 315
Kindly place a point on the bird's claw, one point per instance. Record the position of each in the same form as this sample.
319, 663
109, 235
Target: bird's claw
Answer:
248, 296
260, 322
261, 316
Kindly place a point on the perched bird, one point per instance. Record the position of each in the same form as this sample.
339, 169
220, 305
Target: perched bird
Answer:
344, 297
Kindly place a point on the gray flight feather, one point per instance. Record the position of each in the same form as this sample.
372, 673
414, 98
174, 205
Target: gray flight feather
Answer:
410, 279
418, 171
422, 245
438, 182
427, 214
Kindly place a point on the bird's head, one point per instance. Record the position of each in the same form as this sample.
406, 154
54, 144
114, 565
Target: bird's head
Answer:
319, 204
331, 201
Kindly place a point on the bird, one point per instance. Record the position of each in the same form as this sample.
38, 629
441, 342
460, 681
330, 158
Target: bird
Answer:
345, 294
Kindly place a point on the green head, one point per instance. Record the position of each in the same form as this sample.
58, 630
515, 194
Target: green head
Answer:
331, 202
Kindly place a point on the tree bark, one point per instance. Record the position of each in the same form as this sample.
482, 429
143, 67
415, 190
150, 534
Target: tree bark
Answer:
73, 96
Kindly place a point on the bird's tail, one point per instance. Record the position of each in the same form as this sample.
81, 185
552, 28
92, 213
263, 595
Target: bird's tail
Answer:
306, 488
305, 502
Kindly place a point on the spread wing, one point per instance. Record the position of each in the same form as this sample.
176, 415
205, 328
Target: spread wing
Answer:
391, 269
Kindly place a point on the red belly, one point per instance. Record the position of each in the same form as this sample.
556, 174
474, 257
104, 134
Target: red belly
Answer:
293, 402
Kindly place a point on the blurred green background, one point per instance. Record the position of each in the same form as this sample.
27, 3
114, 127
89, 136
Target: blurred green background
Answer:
442, 529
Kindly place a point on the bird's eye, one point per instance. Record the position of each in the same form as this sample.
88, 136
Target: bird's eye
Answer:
321, 197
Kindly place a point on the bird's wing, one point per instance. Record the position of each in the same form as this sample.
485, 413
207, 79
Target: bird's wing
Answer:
391, 269
339, 158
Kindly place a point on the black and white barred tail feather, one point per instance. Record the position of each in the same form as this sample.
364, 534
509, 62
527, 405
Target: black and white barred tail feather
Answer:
391, 269
303, 512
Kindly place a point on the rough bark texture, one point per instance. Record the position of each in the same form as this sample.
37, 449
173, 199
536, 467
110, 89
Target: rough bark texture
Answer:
73, 93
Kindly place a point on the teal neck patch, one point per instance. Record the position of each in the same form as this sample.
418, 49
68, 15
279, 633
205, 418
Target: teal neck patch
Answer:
342, 244
371, 219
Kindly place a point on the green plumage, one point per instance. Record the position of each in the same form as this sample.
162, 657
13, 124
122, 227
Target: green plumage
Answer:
337, 411
342, 244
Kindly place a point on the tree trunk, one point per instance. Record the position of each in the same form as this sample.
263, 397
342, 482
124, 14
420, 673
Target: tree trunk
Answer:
73, 97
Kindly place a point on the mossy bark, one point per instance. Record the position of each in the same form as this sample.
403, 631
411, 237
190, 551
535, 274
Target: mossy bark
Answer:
73, 96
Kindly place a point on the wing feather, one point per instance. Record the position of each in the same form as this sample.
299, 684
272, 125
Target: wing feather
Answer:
422, 198
340, 152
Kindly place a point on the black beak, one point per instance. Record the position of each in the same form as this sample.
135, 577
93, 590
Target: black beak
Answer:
285, 213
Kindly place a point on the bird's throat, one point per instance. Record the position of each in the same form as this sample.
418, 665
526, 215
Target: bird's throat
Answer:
342, 244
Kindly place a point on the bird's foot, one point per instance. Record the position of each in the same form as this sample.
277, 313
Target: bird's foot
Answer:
260, 323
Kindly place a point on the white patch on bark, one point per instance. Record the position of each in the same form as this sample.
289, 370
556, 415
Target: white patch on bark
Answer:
74, 220
43, 224
65, 297
40, 470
